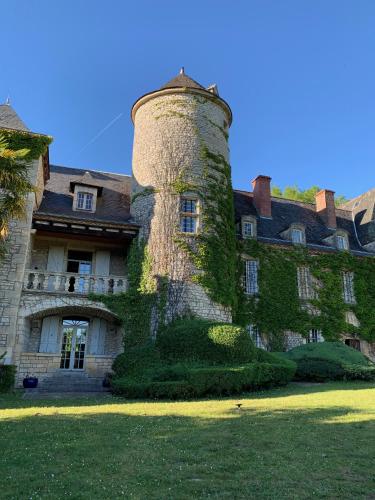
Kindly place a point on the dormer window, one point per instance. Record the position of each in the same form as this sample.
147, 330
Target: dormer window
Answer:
248, 227
297, 236
188, 215
342, 242
295, 233
84, 201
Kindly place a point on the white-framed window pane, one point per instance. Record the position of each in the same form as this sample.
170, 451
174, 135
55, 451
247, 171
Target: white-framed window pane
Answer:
255, 336
88, 204
84, 201
342, 243
189, 205
314, 336
348, 287
297, 236
80, 200
251, 277
188, 224
248, 229
305, 286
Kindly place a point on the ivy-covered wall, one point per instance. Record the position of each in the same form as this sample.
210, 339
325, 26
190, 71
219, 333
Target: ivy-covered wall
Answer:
277, 307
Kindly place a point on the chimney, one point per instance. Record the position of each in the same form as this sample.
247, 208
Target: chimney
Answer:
325, 206
262, 195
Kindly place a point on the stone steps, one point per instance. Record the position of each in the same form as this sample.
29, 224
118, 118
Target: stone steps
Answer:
71, 382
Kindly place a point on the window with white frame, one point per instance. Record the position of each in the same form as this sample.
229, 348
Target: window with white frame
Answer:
255, 336
188, 215
248, 227
314, 336
305, 283
342, 242
297, 236
251, 277
348, 287
84, 201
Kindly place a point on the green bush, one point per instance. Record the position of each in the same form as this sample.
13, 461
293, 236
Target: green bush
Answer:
330, 361
199, 340
212, 380
7, 377
136, 360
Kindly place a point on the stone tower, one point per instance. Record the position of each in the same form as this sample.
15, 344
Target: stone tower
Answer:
175, 128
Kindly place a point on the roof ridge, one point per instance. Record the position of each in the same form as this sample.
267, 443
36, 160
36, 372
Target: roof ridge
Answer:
89, 170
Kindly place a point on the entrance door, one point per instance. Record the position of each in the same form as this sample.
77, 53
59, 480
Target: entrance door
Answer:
73, 343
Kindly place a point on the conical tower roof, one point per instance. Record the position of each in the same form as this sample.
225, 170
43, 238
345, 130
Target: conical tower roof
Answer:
10, 119
182, 80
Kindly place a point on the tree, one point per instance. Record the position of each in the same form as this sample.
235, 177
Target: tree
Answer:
304, 195
14, 186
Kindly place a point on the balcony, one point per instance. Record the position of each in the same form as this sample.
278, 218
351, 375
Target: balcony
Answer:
83, 284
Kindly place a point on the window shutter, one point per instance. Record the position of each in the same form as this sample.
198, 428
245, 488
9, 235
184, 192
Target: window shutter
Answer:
55, 261
97, 336
49, 335
102, 262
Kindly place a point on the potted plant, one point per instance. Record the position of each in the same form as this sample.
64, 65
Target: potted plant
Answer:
30, 382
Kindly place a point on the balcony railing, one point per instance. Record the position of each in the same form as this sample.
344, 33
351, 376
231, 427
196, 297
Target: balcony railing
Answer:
46, 281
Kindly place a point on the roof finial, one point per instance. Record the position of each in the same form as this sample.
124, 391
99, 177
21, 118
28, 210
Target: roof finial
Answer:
7, 102
182, 71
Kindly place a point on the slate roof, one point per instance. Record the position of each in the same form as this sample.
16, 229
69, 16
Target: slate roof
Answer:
363, 207
112, 206
182, 80
286, 212
10, 119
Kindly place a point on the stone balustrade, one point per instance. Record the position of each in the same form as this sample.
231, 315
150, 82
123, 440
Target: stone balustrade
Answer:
47, 281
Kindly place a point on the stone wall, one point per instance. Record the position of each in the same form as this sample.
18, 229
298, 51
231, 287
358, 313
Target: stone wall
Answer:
12, 270
170, 131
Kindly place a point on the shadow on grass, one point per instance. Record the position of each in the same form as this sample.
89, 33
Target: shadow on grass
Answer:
273, 453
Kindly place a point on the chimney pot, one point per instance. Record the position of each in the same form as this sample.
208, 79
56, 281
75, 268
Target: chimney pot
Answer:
262, 195
325, 206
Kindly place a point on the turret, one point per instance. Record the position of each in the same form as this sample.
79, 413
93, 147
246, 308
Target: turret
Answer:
178, 130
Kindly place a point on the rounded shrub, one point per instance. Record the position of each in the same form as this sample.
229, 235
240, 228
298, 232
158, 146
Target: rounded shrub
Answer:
330, 361
199, 340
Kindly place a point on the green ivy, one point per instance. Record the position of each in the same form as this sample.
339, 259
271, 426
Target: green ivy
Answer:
278, 308
36, 144
143, 303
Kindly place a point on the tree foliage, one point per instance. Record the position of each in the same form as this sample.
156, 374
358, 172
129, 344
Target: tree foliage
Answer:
304, 195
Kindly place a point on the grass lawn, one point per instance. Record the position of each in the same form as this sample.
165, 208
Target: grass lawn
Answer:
296, 442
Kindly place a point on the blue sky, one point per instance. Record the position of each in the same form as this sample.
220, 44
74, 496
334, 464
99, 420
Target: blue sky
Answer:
298, 74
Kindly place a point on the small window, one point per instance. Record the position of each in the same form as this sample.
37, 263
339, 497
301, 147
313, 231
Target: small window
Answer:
342, 242
251, 277
305, 284
247, 229
348, 287
84, 201
297, 236
255, 336
189, 215
314, 336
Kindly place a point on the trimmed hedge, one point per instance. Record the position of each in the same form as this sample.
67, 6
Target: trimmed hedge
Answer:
199, 340
330, 361
7, 377
204, 381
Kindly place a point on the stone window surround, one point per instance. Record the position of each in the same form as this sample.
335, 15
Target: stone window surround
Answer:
252, 220
81, 188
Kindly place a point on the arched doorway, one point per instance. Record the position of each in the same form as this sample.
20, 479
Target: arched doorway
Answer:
74, 341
